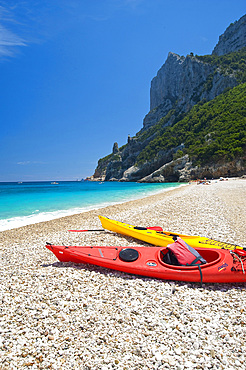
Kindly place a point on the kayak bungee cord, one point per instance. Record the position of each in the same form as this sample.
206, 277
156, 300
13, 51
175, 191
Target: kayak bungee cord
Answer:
222, 245
239, 254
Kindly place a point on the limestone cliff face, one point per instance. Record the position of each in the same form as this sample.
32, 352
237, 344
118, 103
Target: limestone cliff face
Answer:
180, 83
176, 80
233, 39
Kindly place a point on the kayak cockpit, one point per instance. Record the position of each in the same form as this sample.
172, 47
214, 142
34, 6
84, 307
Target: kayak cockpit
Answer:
211, 256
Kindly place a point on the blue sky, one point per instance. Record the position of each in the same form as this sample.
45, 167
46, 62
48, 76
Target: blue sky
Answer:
75, 75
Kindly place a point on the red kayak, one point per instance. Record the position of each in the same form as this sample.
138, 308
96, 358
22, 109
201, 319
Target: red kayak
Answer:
223, 266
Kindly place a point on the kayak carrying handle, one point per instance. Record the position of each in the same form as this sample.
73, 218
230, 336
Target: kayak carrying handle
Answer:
240, 252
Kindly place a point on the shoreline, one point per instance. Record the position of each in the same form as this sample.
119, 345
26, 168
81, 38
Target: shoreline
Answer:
62, 315
128, 213
21, 221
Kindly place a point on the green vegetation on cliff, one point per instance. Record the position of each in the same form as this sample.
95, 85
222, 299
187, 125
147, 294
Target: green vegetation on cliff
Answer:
209, 132
232, 63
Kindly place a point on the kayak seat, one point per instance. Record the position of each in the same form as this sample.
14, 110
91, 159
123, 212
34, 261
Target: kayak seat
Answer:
212, 256
169, 258
128, 255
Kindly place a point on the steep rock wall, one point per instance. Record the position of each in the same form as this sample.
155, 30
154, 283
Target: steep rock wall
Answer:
177, 79
180, 83
233, 39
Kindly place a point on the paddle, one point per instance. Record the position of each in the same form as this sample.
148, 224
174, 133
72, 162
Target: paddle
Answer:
82, 231
155, 228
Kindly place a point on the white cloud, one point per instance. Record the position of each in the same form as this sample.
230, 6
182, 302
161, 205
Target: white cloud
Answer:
8, 42
25, 163
25, 22
204, 39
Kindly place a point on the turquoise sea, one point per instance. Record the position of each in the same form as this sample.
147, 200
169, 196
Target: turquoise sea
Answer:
31, 202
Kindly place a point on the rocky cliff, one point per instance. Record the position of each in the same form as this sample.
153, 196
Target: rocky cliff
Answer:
233, 39
180, 84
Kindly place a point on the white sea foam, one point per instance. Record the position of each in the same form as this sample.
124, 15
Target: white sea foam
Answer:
34, 218
14, 222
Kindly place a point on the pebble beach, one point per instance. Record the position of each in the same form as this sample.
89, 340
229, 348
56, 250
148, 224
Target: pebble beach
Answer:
58, 315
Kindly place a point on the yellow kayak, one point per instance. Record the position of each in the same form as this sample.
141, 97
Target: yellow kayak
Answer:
162, 238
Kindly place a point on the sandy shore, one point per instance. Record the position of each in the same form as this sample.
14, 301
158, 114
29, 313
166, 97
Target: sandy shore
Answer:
64, 316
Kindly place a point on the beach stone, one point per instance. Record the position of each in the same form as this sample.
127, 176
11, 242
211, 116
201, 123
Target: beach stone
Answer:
212, 353
178, 351
171, 361
189, 365
158, 356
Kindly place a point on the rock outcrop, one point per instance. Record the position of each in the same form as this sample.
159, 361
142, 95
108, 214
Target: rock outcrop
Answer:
233, 39
177, 79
